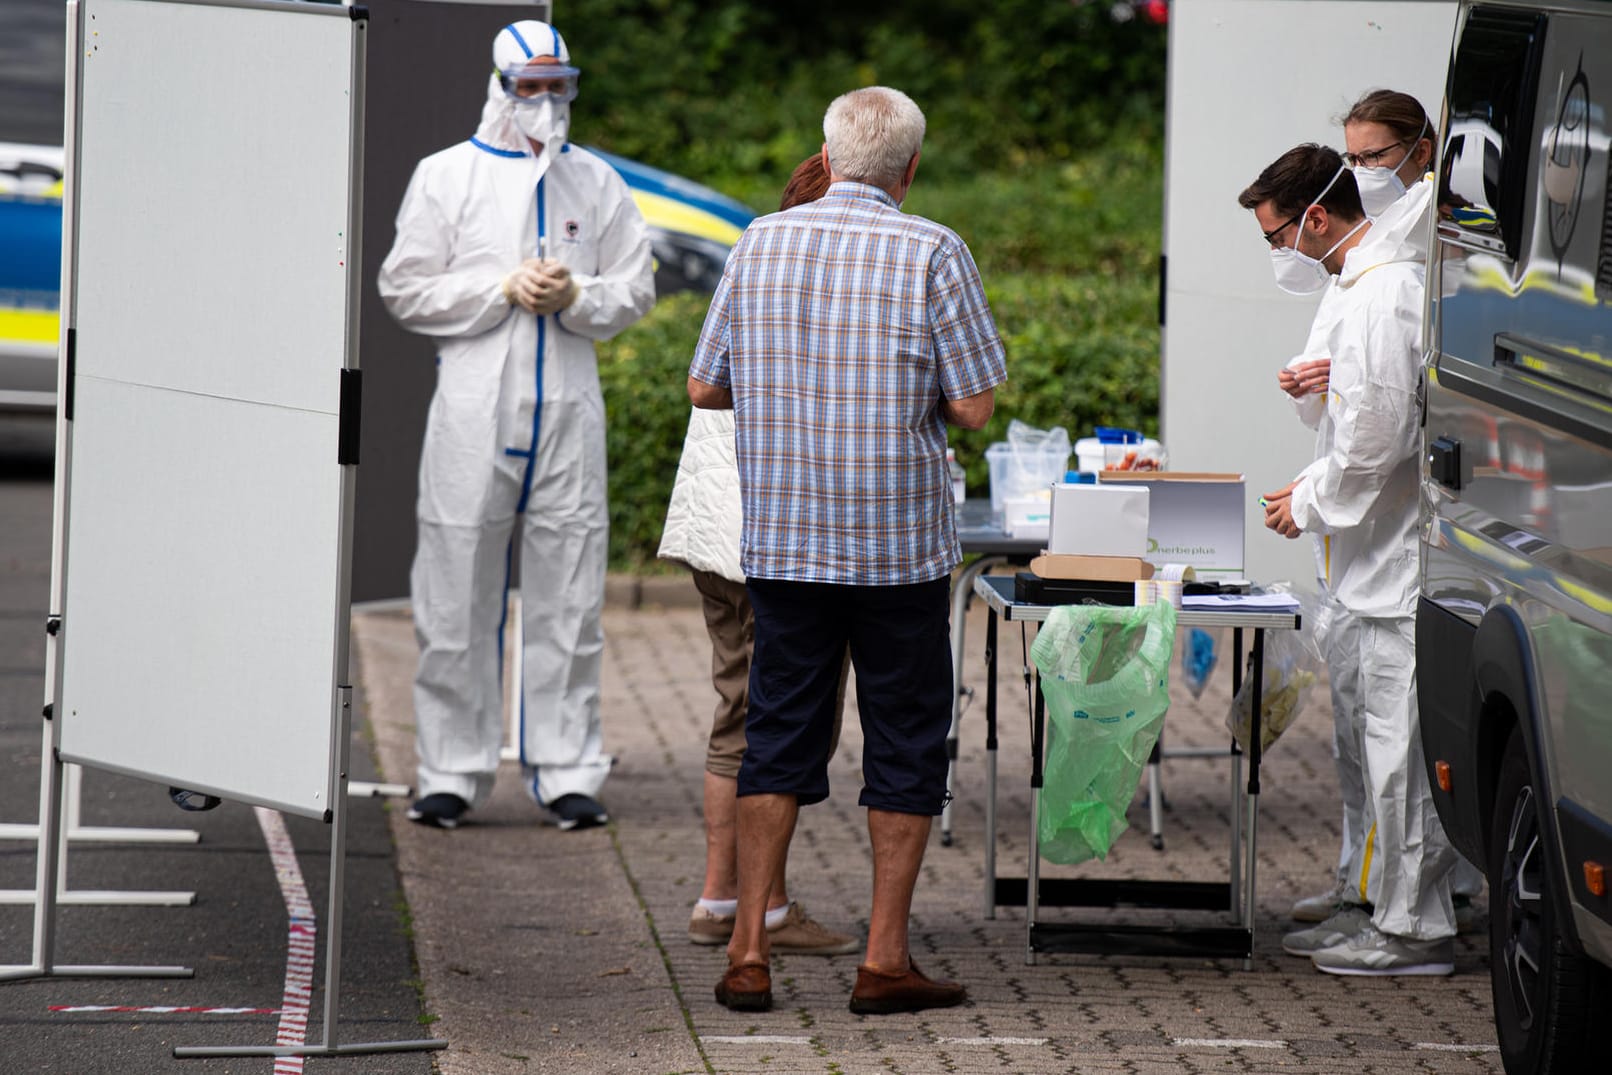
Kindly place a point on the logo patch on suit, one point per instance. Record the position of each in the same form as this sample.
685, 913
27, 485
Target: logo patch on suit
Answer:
572, 229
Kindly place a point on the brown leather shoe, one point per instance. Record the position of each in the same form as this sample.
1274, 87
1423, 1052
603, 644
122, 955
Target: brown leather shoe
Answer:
879, 992
746, 987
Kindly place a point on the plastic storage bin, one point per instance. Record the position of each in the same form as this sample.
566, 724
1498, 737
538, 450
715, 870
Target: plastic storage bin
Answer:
1018, 473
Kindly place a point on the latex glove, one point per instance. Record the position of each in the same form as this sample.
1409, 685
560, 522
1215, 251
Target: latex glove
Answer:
556, 290
524, 284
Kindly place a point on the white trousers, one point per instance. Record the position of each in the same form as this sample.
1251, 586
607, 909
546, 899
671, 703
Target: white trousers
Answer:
458, 584
1340, 646
1409, 860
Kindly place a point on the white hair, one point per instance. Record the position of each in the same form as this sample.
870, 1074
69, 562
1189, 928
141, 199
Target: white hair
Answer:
872, 134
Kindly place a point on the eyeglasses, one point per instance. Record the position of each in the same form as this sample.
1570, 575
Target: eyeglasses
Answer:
1372, 158
1270, 236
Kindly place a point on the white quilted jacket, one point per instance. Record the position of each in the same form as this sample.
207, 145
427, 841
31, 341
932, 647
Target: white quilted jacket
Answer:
705, 515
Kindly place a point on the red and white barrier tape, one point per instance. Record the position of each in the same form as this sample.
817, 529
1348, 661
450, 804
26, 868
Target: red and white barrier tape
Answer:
301, 937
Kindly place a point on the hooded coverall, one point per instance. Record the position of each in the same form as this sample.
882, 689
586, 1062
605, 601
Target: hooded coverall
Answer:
515, 432
1359, 497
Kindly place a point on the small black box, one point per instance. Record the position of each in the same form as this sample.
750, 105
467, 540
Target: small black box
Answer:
1031, 588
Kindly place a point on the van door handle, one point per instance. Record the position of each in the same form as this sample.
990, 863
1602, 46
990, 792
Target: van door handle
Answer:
1444, 461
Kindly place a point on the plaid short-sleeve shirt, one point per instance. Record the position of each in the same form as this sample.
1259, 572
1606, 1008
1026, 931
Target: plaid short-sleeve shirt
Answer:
839, 326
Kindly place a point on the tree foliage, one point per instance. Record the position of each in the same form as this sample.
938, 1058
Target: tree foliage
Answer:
733, 91
1043, 150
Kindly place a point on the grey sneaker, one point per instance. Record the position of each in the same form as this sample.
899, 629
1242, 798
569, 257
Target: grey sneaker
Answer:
1323, 905
802, 935
1335, 930
708, 927
1376, 954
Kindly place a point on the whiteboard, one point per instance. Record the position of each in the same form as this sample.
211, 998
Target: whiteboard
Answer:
1249, 80
213, 151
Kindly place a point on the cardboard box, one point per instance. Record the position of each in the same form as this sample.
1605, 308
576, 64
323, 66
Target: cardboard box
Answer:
1100, 568
1096, 520
1193, 518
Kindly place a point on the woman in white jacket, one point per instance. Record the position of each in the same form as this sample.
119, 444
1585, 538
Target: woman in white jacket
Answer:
703, 521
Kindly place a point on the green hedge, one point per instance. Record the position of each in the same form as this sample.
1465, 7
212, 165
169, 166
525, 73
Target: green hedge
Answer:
732, 92
1068, 253
1043, 150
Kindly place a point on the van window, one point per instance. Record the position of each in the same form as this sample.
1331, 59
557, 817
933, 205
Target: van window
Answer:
1491, 98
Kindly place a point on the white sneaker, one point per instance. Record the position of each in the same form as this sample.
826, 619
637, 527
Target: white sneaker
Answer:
1374, 953
1335, 930
1323, 905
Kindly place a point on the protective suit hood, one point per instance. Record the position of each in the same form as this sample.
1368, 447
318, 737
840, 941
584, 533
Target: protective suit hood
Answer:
1400, 233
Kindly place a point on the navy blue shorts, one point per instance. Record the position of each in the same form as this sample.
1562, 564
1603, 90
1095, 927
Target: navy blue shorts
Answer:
900, 642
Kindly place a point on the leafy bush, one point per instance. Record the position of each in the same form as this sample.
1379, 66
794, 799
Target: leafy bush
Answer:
1043, 151
733, 91
1067, 256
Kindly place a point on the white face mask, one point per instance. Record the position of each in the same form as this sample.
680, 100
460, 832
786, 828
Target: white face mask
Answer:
1379, 188
546, 122
1297, 273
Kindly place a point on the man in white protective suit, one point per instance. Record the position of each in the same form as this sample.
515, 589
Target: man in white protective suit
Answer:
515, 250
1359, 494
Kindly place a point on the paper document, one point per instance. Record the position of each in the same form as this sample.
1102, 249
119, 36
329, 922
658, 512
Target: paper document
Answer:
1270, 602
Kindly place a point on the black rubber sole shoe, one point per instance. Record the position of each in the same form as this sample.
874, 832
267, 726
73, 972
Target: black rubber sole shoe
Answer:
577, 812
440, 810
193, 801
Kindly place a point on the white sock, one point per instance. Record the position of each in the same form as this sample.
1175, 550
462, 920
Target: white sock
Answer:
719, 907
776, 916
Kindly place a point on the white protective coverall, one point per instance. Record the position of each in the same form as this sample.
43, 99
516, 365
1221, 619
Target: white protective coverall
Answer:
1337, 632
1360, 497
515, 431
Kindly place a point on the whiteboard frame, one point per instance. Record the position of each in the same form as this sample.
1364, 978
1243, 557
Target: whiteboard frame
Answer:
230, 759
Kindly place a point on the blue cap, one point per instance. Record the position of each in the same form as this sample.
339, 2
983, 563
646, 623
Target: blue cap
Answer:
1079, 477
1117, 435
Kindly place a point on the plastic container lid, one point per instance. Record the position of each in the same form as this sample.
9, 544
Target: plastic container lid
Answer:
1117, 435
1079, 477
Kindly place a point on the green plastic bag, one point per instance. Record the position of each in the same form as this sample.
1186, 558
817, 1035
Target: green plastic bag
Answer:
1105, 673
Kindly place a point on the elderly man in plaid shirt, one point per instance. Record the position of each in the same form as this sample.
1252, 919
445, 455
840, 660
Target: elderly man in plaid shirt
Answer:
845, 335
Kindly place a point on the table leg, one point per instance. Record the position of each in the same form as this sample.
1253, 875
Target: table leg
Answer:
1032, 892
1236, 865
990, 765
1256, 690
962, 590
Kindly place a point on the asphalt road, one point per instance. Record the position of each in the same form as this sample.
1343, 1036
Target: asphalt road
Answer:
235, 935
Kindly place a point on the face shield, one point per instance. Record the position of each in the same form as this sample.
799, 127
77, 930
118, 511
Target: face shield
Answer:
531, 83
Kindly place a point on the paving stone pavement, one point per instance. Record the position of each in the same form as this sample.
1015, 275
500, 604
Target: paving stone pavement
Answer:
567, 952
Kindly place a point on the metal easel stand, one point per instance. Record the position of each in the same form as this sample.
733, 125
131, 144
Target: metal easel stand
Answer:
52, 846
72, 831
75, 831
338, 857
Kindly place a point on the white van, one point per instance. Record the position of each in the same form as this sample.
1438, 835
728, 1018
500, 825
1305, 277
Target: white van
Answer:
1514, 627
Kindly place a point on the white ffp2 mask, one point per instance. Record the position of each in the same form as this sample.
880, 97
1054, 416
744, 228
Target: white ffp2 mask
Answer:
546, 122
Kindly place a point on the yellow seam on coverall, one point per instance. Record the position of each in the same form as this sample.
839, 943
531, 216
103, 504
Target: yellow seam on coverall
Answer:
1365, 861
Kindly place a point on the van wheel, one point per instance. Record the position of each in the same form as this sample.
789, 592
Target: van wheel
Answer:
1544, 993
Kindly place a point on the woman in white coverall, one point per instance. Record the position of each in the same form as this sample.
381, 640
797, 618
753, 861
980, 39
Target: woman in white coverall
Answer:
1388, 137
1389, 152
516, 250
1360, 494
